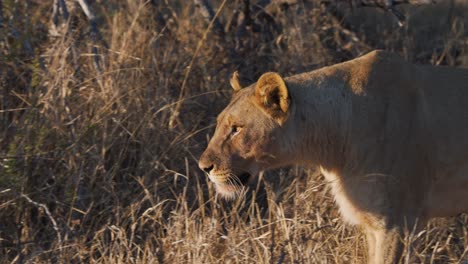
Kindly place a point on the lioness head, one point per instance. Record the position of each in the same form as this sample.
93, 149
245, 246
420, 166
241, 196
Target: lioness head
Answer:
247, 135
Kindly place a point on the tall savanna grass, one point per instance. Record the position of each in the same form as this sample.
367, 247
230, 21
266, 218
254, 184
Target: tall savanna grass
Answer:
100, 133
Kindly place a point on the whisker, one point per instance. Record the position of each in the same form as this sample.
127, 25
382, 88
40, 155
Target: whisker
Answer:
235, 182
236, 178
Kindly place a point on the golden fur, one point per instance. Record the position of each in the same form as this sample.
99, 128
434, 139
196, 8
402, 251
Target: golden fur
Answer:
390, 137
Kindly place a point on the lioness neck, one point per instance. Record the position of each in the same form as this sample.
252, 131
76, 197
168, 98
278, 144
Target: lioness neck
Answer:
322, 110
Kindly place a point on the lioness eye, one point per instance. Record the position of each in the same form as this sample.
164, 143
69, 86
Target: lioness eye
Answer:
235, 130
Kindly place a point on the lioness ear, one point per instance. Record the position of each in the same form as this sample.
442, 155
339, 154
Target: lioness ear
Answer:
235, 81
272, 94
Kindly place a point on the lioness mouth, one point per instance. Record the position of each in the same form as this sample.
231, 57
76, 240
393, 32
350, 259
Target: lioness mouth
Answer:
243, 178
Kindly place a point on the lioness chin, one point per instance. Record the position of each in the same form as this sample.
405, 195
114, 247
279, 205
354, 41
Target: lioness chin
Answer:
390, 137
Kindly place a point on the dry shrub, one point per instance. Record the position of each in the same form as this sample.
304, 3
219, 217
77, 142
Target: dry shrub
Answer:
99, 162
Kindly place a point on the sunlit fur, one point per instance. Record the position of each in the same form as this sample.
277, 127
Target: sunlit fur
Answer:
227, 184
390, 137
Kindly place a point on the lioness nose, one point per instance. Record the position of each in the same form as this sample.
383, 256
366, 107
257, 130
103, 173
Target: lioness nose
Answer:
206, 169
206, 163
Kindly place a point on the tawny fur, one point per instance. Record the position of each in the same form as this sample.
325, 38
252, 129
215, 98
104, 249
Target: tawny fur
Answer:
390, 137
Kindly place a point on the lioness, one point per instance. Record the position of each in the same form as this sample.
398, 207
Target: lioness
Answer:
390, 137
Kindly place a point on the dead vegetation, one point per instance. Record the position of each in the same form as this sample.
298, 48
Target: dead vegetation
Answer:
103, 118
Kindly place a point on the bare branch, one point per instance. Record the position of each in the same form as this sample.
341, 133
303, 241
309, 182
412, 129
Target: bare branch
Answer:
51, 218
94, 32
58, 8
64, 9
60, 15
87, 10
55, 12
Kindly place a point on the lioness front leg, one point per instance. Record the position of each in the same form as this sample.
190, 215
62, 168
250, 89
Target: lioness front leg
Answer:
370, 238
388, 246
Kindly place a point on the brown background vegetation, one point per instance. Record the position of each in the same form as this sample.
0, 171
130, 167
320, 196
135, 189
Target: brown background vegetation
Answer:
101, 129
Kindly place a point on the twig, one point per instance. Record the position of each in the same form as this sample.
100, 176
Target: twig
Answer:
54, 223
58, 8
87, 10
63, 6
175, 115
55, 12
5, 191
94, 33
12, 110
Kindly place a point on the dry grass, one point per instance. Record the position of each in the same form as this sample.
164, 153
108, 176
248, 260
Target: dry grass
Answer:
100, 165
